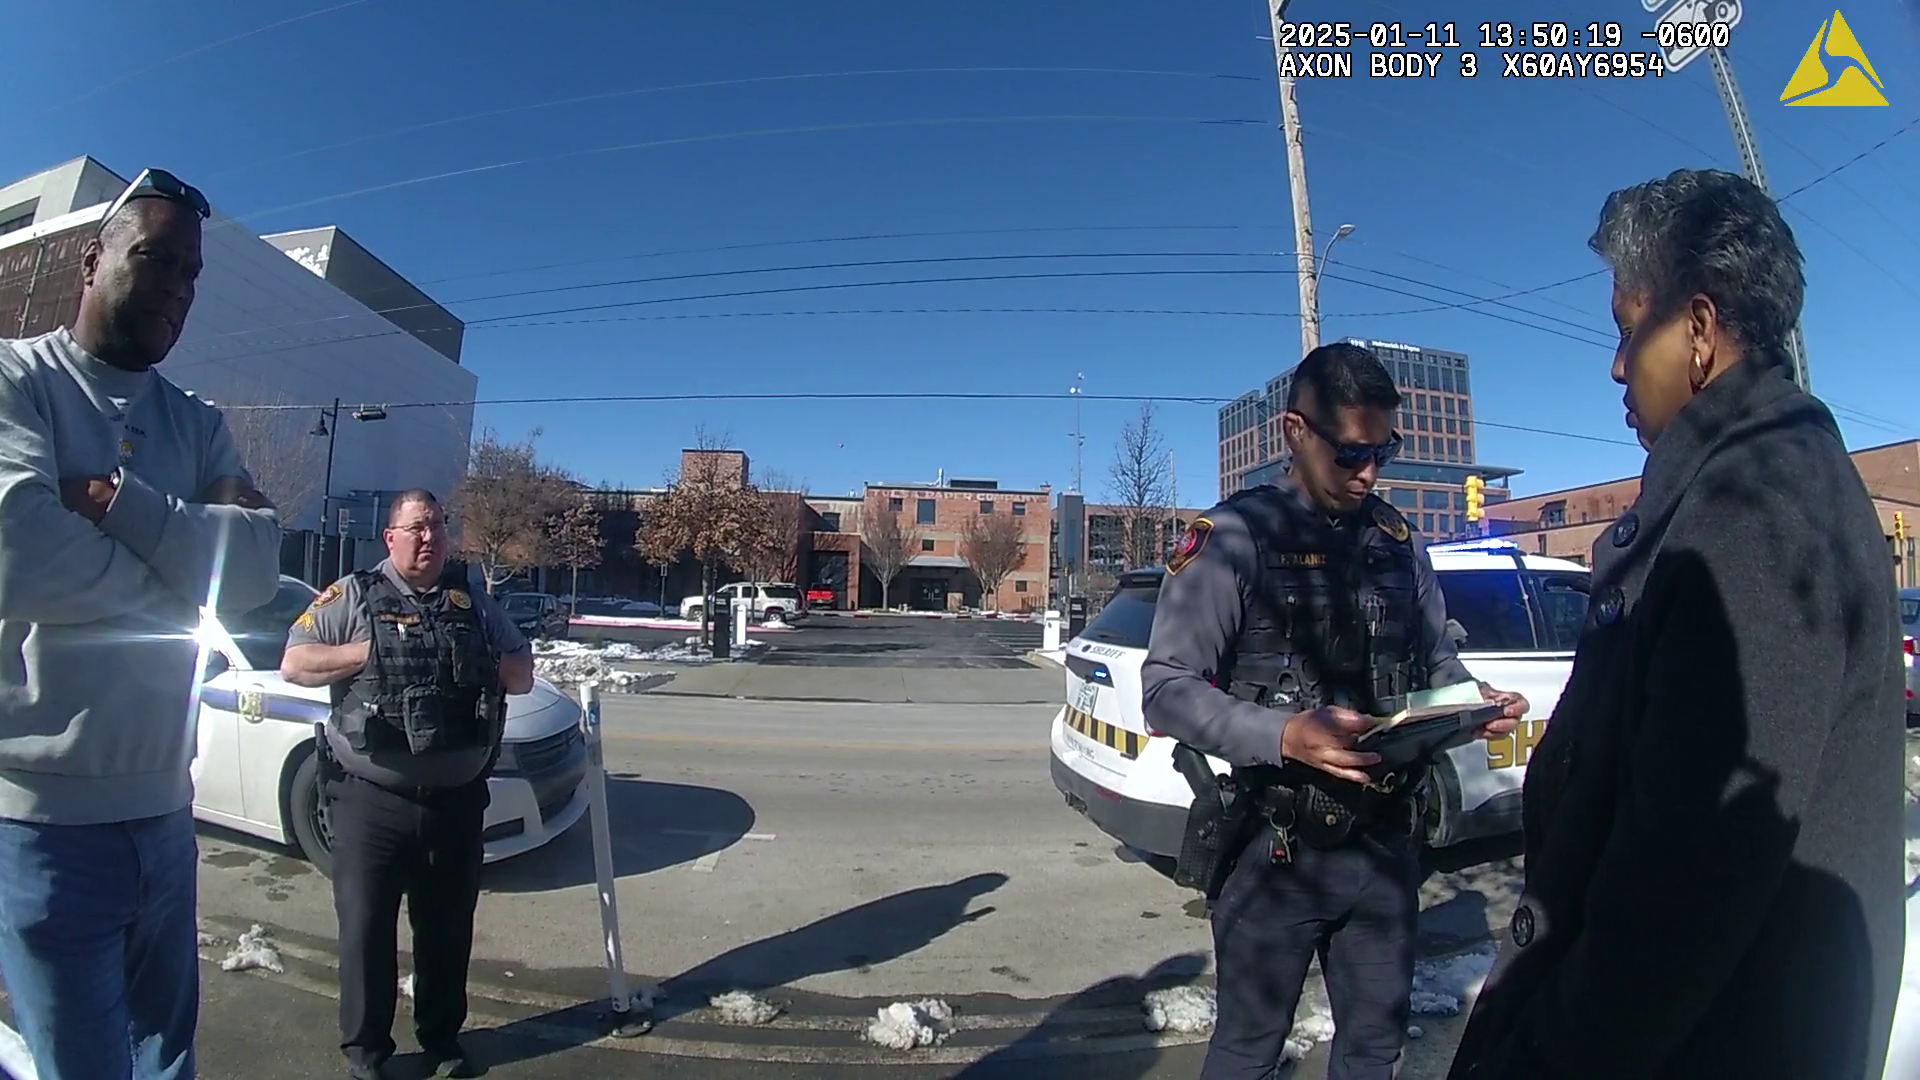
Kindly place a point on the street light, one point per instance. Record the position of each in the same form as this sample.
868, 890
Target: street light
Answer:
330, 432
1326, 253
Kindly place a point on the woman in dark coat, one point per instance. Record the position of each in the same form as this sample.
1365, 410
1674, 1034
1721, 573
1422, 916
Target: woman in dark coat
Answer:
1713, 817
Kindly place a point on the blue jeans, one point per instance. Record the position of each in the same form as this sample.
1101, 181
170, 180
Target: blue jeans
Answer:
99, 947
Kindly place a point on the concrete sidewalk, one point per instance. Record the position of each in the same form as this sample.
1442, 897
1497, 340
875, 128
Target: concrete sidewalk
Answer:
880, 685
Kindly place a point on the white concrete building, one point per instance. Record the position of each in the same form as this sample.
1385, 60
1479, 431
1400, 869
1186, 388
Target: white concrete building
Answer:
268, 330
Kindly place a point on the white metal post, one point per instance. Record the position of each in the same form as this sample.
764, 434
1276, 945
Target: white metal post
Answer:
742, 614
622, 998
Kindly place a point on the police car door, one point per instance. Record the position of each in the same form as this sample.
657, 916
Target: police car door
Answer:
218, 791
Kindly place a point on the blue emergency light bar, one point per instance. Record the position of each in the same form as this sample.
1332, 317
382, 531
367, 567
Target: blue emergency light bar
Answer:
1490, 543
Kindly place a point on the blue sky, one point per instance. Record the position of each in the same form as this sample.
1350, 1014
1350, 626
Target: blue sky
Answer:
1485, 187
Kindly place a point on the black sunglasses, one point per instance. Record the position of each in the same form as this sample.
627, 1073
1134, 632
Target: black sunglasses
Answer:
160, 184
1348, 455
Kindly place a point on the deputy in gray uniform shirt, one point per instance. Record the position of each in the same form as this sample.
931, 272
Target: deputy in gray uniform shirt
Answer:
1285, 614
419, 665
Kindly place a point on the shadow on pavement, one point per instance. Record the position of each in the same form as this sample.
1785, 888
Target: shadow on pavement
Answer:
870, 933
1024, 1059
659, 825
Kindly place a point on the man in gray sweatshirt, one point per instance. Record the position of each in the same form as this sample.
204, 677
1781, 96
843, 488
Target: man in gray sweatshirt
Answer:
124, 508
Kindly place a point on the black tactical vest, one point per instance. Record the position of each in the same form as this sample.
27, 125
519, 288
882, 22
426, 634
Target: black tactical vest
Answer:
1332, 615
431, 683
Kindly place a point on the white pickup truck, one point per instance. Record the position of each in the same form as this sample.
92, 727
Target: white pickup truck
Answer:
770, 601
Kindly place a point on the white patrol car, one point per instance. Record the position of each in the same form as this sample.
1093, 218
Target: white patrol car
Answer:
1520, 615
254, 769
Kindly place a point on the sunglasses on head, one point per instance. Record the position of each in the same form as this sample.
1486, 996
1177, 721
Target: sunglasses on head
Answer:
1348, 455
160, 184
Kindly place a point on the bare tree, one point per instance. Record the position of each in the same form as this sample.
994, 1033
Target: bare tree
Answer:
786, 507
280, 448
993, 546
573, 541
889, 541
1141, 484
505, 503
710, 512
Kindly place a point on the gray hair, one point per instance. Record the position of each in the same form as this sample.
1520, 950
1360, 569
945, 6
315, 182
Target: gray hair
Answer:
1707, 231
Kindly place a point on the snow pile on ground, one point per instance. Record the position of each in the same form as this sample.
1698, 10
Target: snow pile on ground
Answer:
609, 651
740, 1007
905, 1025
776, 624
1183, 1010
1444, 987
406, 986
1415, 1031
574, 663
254, 950
1312, 1024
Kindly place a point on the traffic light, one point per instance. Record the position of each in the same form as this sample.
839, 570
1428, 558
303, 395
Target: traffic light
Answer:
1899, 527
1476, 498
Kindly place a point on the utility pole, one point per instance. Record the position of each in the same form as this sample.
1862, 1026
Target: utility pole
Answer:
1736, 107
1079, 440
1309, 280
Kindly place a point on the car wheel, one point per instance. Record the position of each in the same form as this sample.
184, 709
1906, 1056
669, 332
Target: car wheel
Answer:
774, 614
1436, 802
309, 827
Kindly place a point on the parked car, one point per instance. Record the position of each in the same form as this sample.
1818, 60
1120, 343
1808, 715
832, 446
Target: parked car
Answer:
254, 769
1517, 618
1910, 629
538, 615
770, 600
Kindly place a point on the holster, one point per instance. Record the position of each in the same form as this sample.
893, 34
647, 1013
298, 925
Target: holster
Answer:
1217, 829
1218, 825
329, 772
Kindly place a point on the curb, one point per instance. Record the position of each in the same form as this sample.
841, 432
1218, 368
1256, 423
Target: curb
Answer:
829, 1037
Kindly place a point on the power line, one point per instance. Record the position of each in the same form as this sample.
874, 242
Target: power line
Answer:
806, 129
931, 395
132, 75
949, 280
855, 238
709, 84
1855, 159
866, 264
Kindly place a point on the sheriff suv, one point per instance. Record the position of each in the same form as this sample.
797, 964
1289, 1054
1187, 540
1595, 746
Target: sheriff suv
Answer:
1515, 617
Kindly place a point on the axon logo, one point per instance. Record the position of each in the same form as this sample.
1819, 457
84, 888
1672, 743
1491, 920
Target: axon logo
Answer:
1835, 71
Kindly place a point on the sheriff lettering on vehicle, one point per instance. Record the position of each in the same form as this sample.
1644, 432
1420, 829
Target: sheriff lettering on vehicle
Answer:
419, 666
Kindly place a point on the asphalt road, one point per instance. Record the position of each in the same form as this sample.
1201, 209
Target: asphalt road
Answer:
833, 858
844, 640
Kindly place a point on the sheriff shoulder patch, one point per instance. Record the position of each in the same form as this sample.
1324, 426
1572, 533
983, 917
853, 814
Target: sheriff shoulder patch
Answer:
305, 621
1391, 523
333, 593
459, 598
1190, 545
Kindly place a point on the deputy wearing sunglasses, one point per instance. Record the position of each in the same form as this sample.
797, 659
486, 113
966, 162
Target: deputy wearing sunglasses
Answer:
124, 508
1287, 612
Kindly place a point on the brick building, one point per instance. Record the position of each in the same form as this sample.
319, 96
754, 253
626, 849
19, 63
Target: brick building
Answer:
936, 576
1565, 524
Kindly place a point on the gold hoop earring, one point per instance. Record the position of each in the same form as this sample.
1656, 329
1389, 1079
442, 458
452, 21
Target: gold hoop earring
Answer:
1697, 374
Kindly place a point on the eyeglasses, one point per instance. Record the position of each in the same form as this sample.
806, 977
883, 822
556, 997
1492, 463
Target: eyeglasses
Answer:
1348, 455
160, 184
420, 530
